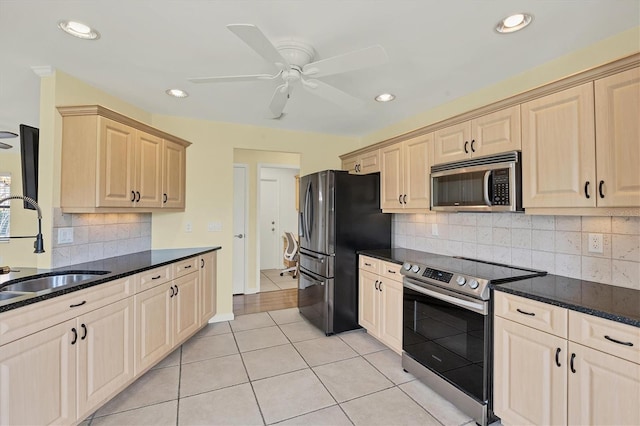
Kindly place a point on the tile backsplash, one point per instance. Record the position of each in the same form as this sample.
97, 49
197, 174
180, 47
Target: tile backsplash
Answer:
557, 244
98, 236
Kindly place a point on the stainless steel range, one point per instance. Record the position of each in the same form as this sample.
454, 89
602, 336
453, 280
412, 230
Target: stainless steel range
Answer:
447, 336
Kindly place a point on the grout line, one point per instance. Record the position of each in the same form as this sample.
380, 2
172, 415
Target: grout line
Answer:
179, 383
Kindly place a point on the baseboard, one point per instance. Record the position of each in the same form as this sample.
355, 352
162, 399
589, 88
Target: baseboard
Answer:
222, 317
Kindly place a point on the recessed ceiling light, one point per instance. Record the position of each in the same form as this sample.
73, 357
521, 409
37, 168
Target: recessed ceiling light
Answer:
385, 97
177, 93
513, 23
78, 29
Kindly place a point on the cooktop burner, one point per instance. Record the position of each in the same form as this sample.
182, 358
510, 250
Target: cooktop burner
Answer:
462, 275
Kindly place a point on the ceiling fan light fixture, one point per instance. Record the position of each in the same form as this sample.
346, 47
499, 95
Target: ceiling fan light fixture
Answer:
385, 97
514, 23
5, 134
177, 93
78, 29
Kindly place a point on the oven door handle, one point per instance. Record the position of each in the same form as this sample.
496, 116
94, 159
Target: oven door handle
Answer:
479, 307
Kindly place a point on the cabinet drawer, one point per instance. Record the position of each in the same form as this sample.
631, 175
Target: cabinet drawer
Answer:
154, 277
541, 316
29, 319
370, 264
391, 271
600, 333
185, 267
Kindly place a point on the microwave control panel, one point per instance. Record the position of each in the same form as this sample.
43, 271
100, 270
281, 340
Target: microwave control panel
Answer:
500, 187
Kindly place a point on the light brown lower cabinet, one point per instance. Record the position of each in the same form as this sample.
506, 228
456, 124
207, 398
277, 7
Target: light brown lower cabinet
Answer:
60, 374
546, 379
380, 301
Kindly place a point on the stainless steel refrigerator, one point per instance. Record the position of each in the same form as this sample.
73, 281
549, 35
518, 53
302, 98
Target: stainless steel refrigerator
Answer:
339, 215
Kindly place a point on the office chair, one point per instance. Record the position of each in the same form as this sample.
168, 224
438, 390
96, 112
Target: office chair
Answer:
291, 254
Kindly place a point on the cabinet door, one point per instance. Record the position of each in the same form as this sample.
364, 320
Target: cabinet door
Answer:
368, 301
452, 143
369, 162
105, 354
174, 175
417, 167
38, 374
154, 329
604, 390
529, 388
207, 286
558, 150
617, 139
148, 170
116, 157
496, 132
186, 317
391, 175
391, 314
349, 164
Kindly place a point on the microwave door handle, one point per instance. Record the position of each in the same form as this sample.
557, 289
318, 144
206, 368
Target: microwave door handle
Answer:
485, 186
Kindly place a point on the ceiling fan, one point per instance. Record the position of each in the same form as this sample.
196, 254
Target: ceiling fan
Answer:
293, 59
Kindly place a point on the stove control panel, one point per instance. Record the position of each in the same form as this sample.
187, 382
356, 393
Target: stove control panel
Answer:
455, 281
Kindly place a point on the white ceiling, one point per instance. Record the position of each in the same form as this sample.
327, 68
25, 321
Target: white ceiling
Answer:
438, 50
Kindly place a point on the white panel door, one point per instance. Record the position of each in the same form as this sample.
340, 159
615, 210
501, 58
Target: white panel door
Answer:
270, 257
239, 228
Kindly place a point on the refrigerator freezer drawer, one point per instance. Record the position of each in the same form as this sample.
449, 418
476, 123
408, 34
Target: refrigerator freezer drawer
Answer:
319, 264
315, 300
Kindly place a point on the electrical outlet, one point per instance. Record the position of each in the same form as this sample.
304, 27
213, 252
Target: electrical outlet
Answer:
434, 229
595, 243
65, 235
188, 227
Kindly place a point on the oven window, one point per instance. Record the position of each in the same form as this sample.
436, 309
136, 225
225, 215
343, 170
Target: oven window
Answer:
448, 340
463, 189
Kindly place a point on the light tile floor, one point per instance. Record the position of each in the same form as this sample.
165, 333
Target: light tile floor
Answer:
270, 280
275, 367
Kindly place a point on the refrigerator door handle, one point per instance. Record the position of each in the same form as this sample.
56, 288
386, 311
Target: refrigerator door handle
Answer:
308, 210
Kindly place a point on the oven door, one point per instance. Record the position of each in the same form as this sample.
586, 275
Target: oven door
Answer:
449, 334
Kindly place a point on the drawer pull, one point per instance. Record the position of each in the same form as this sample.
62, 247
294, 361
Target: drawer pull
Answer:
78, 304
390, 271
618, 341
202, 263
156, 278
558, 357
187, 267
532, 314
573, 356
367, 264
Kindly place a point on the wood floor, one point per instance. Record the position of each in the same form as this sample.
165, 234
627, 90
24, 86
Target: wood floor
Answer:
262, 302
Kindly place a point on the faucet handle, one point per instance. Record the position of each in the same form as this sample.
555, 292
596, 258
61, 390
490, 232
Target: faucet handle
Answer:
4, 270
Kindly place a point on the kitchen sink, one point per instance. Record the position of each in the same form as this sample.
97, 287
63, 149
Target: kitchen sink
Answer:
51, 281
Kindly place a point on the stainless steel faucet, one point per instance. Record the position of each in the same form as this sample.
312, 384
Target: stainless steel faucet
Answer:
38, 245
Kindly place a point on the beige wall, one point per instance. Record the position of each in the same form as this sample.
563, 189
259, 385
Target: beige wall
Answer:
210, 182
619, 46
252, 158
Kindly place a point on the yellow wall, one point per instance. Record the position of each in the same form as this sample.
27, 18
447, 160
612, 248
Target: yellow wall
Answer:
210, 182
618, 46
252, 158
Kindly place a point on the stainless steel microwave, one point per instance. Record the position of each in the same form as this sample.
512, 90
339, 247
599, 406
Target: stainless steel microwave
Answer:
484, 184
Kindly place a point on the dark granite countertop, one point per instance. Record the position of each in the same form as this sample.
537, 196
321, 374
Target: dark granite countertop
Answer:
607, 301
118, 267
615, 303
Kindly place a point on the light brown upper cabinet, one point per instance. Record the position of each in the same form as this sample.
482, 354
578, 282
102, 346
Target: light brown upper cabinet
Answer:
581, 149
618, 139
113, 163
363, 163
490, 134
404, 174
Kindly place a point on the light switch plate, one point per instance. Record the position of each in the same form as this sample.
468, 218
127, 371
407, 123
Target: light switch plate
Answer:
214, 226
188, 227
65, 235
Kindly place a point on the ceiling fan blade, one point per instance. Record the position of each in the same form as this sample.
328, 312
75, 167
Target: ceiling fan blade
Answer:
256, 40
232, 78
332, 94
278, 101
364, 58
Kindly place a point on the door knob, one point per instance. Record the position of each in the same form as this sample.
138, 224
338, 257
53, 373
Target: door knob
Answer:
239, 236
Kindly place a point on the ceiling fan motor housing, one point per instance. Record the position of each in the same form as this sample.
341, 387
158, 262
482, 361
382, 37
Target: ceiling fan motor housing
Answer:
297, 53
